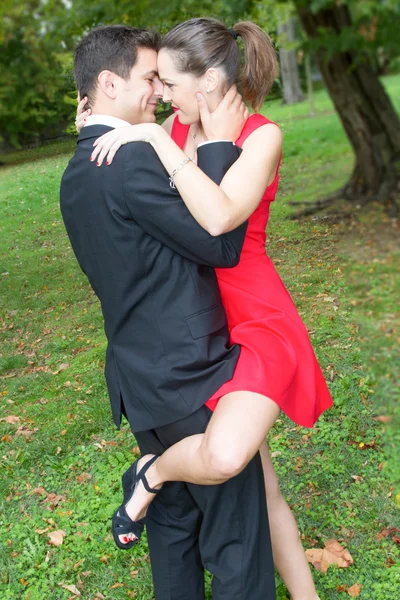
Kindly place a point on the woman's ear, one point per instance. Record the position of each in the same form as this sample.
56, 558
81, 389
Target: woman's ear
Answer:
212, 79
107, 82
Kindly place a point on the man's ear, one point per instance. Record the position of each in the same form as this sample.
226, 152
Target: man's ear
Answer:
107, 83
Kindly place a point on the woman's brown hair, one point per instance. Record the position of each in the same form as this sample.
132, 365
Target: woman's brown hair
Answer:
199, 44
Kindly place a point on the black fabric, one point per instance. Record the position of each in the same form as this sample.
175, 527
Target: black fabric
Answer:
223, 528
151, 265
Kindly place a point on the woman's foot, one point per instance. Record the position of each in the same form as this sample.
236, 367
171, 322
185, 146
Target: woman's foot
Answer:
140, 498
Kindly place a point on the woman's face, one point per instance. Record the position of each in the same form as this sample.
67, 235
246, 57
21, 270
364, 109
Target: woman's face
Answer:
180, 88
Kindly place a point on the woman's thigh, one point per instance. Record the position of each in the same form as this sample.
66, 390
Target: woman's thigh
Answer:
240, 423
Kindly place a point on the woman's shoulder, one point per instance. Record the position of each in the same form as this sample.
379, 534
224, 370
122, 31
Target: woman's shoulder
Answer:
254, 122
168, 123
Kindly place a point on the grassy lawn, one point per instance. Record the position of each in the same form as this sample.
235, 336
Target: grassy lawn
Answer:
61, 456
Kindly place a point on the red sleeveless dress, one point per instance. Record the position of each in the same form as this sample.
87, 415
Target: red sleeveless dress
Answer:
276, 359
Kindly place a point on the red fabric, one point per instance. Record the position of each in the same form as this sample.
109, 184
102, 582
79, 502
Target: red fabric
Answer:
276, 359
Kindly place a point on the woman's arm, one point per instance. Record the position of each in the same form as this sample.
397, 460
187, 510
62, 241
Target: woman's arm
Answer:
223, 208
218, 209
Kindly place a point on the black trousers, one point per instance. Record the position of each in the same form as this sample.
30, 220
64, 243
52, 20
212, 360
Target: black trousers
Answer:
222, 528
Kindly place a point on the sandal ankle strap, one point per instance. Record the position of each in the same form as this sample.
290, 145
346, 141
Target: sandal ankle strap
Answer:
142, 476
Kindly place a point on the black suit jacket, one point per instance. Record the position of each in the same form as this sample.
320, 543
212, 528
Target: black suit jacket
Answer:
151, 265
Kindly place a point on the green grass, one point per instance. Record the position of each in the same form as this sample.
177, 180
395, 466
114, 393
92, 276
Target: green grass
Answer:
61, 460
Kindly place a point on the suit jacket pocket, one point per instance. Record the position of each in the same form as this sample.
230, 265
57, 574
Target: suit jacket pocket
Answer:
207, 321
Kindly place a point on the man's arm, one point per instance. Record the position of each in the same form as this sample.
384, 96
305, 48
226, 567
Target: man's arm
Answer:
160, 211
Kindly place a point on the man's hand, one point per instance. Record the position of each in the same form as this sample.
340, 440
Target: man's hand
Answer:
227, 120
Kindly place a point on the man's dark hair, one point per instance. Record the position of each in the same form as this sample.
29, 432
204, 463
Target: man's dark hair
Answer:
113, 48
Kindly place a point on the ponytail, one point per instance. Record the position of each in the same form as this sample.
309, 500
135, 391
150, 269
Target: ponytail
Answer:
198, 44
260, 66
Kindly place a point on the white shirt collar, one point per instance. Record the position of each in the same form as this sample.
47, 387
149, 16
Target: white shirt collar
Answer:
108, 120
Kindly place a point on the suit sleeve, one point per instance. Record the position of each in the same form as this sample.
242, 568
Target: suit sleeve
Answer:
161, 212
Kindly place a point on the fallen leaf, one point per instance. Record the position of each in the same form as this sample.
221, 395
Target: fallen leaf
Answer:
275, 454
11, 419
39, 491
56, 537
386, 533
23, 581
100, 596
23, 430
354, 590
79, 563
383, 419
41, 531
117, 585
337, 549
61, 368
6, 438
134, 573
332, 554
71, 588
363, 445
83, 477
54, 499
58, 450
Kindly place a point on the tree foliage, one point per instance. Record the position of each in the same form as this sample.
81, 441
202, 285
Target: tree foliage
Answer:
37, 39
33, 87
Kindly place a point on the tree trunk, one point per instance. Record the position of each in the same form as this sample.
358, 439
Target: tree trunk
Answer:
367, 114
310, 91
288, 65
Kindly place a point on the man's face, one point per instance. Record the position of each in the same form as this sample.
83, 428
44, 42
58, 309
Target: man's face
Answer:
137, 96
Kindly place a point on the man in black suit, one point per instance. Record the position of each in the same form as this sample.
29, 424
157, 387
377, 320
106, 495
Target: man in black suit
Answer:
152, 267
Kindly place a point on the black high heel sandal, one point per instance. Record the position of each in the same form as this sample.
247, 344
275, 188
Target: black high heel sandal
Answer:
121, 522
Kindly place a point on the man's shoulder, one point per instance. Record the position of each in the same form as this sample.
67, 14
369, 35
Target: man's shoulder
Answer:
139, 149
139, 157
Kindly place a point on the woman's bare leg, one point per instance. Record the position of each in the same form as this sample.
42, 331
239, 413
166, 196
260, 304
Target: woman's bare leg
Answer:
289, 556
234, 434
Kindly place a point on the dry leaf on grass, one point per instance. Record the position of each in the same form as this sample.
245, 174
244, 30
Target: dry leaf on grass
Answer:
332, 554
354, 590
41, 531
56, 537
386, 533
383, 419
11, 419
337, 549
71, 588
39, 491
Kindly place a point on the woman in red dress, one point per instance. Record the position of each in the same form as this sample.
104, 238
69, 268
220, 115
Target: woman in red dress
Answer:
277, 369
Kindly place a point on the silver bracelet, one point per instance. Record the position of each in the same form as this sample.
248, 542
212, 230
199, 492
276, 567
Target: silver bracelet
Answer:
175, 171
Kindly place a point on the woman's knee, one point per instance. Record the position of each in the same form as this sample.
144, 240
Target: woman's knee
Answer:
224, 462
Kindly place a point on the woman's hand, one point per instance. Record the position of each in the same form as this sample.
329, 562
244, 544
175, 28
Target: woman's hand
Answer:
109, 143
81, 113
227, 120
